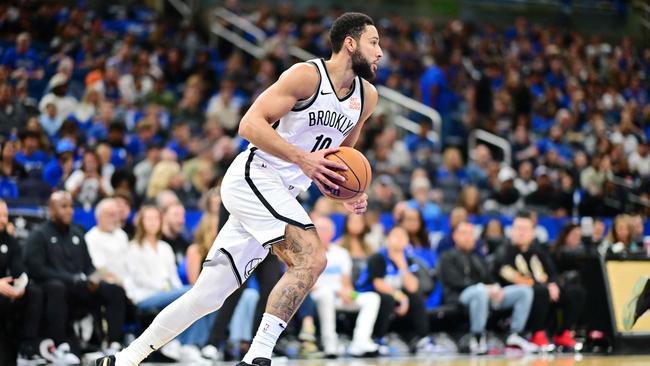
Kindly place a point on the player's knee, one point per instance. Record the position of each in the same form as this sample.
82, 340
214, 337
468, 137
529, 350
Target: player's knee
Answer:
319, 261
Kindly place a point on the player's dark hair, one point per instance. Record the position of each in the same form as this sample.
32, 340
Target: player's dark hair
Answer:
348, 24
525, 214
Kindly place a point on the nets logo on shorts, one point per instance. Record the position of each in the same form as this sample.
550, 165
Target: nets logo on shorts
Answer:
250, 266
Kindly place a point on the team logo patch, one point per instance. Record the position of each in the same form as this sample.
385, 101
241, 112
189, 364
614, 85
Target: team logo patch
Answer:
355, 103
4, 248
75, 240
53, 239
250, 266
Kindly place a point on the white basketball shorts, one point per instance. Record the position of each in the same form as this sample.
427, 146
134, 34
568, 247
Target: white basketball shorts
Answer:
260, 207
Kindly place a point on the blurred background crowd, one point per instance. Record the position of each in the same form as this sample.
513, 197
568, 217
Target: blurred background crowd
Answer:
134, 114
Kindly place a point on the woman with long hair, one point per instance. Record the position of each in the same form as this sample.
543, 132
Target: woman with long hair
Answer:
620, 240
411, 220
355, 228
152, 281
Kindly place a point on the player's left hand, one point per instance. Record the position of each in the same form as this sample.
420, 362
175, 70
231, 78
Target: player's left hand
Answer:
358, 205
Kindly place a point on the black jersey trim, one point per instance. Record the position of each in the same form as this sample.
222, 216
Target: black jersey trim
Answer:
313, 97
269, 243
349, 94
232, 264
362, 98
266, 203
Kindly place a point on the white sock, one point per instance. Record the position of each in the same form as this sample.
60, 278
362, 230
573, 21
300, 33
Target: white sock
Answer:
267, 336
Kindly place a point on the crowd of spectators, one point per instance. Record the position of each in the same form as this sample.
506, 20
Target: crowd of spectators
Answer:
132, 116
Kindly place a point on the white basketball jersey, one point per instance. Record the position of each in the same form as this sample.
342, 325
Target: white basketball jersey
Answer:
321, 121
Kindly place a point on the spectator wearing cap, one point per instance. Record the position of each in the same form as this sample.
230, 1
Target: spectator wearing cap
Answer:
65, 104
545, 195
506, 199
30, 156
58, 170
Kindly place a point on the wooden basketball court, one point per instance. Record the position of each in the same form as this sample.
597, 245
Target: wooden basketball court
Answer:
553, 360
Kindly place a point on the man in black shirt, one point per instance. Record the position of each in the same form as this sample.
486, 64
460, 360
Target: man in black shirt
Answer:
527, 264
172, 229
19, 306
57, 258
466, 279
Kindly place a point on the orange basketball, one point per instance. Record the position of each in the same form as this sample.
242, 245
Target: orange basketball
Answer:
357, 177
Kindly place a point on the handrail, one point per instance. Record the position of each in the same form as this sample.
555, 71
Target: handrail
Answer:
180, 6
242, 23
234, 38
492, 139
386, 93
412, 104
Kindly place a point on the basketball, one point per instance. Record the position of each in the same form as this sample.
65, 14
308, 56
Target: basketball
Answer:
357, 177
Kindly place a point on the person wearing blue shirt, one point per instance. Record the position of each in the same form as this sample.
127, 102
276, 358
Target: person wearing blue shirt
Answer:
21, 60
180, 142
59, 169
420, 188
29, 155
392, 273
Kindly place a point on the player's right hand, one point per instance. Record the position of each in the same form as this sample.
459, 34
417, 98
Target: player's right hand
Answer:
322, 171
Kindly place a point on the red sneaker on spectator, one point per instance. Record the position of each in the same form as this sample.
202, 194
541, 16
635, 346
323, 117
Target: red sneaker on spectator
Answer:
565, 340
539, 338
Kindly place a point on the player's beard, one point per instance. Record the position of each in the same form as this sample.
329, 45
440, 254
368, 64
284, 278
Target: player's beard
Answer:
361, 66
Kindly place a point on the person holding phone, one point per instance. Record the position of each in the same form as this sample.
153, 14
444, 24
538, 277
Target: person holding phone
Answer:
21, 302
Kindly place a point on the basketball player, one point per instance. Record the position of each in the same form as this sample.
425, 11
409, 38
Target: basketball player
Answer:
313, 108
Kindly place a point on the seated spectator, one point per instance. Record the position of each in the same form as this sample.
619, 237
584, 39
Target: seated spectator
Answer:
10, 171
523, 263
87, 185
50, 121
124, 202
421, 193
525, 182
21, 61
456, 216
411, 220
161, 176
58, 95
59, 169
107, 243
173, 230
467, 279
151, 279
21, 302
180, 140
30, 156
334, 291
493, 236
385, 194
226, 107
620, 241
392, 273
57, 259
451, 175
470, 199
505, 199
12, 113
